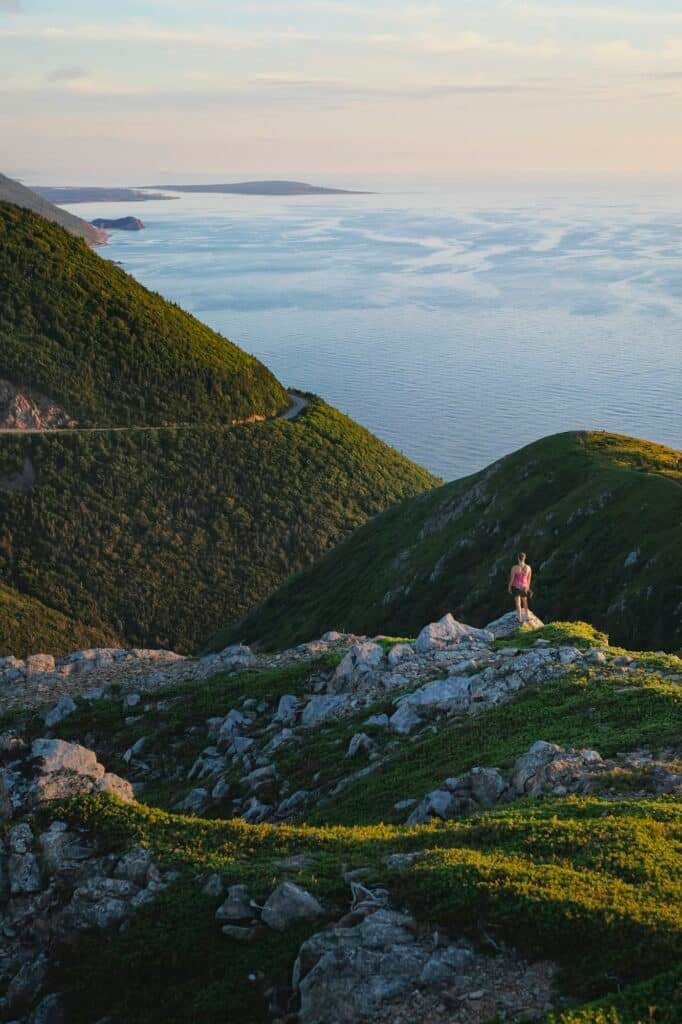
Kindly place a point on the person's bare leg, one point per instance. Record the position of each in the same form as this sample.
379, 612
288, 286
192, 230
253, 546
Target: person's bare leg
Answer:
525, 608
517, 602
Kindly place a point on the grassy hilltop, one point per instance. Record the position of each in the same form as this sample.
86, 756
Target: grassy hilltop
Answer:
601, 519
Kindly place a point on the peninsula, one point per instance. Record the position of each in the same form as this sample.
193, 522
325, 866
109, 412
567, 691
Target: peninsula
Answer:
90, 194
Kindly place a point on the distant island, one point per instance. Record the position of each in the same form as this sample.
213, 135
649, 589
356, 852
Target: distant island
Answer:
118, 224
90, 194
266, 188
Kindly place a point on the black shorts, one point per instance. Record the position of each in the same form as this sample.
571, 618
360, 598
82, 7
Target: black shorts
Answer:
520, 591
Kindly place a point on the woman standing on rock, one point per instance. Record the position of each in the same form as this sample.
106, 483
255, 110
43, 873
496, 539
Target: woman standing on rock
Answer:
519, 586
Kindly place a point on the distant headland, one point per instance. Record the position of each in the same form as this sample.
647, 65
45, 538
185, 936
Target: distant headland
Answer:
95, 194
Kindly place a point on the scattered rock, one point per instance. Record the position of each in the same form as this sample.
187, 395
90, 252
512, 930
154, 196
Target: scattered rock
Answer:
195, 802
447, 632
64, 707
404, 720
359, 665
360, 743
324, 706
289, 904
237, 906
287, 709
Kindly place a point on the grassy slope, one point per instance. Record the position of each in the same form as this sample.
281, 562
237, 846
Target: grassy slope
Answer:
165, 534
28, 626
84, 333
594, 884
578, 503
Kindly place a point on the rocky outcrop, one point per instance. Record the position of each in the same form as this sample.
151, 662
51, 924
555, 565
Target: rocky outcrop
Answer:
54, 882
446, 632
508, 624
355, 969
546, 769
377, 964
50, 769
58, 887
24, 409
90, 673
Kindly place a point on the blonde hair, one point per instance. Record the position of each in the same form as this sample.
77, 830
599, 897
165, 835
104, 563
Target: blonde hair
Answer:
522, 556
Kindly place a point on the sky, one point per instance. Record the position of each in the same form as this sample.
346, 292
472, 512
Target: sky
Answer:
132, 92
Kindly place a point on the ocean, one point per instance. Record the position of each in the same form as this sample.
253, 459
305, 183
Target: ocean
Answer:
457, 322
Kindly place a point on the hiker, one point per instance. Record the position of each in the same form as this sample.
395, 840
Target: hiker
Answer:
519, 586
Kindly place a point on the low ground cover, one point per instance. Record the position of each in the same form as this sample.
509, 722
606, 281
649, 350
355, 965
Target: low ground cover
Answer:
597, 886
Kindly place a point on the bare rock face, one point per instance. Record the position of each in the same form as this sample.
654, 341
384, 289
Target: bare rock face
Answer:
25, 409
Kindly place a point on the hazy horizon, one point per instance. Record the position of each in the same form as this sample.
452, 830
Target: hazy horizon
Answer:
344, 91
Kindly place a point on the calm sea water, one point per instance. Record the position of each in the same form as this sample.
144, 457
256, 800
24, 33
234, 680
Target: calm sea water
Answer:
457, 324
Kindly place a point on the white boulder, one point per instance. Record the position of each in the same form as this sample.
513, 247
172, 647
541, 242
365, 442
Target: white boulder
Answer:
447, 632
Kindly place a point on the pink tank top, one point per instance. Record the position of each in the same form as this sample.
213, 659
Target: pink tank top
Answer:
521, 578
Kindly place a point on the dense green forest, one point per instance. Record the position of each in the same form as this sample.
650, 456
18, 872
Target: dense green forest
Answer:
163, 535
84, 333
599, 515
28, 626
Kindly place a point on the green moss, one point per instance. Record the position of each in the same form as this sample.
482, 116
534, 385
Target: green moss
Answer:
558, 634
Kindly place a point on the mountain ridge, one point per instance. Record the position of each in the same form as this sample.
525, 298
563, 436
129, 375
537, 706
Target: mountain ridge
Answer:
598, 514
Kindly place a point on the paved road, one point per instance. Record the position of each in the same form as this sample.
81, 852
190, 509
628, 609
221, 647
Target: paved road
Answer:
299, 403
296, 409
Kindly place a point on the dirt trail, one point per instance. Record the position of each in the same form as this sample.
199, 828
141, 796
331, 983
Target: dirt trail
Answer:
299, 403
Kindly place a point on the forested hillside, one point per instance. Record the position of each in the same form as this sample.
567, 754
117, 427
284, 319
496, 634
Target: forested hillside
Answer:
12, 191
163, 535
85, 334
599, 515
27, 625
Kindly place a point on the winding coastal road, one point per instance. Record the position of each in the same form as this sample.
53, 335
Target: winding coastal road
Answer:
298, 404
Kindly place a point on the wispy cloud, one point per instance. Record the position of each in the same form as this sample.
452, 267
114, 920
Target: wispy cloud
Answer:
136, 33
142, 34
475, 42
591, 13
66, 74
623, 52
